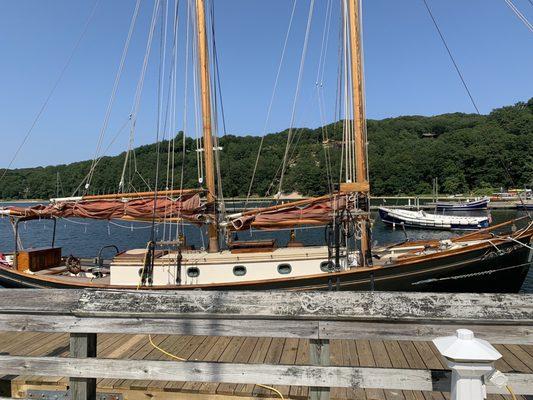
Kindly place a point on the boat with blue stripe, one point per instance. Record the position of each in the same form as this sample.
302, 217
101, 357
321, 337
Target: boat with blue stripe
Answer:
424, 220
477, 204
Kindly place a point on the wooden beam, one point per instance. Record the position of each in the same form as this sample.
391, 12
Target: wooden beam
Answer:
294, 375
351, 187
382, 307
167, 326
82, 345
304, 329
512, 309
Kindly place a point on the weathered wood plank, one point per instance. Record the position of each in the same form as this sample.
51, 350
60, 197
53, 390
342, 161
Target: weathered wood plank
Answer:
503, 334
516, 309
380, 378
169, 326
392, 306
38, 301
306, 329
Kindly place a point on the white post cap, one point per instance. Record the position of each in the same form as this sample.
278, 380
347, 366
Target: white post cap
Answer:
465, 347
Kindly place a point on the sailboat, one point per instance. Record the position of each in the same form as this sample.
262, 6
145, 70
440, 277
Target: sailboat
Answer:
495, 259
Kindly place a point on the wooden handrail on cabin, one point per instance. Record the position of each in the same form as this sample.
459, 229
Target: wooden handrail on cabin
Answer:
318, 316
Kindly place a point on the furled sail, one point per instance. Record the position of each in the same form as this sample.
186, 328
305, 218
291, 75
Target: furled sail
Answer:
316, 211
187, 206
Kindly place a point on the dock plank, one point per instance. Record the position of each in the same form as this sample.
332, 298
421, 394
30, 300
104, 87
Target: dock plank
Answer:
273, 356
302, 358
344, 352
258, 357
381, 358
227, 355
514, 362
366, 359
189, 348
242, 356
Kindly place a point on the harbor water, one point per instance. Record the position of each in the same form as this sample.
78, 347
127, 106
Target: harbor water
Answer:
84, 238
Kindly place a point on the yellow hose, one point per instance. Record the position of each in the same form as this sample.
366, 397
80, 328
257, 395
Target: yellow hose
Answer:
164, 351
510, 391
274, 390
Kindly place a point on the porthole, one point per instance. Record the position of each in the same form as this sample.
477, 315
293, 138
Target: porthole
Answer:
193, 272
326, 266
284, 269
239, 270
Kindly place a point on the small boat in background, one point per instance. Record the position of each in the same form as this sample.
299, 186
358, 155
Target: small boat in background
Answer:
525, 205
478, 204
421, 219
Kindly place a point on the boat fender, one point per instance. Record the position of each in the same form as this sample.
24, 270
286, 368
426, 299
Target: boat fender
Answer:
179, 260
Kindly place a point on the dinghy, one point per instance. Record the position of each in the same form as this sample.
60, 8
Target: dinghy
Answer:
478, 204
422, 219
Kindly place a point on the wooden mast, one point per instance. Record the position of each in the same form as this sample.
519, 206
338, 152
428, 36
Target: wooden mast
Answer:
362, 185
203, 60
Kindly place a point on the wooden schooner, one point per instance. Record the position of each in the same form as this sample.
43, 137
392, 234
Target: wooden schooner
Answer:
489, 260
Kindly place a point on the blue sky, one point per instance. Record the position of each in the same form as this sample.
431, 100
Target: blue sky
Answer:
407, 68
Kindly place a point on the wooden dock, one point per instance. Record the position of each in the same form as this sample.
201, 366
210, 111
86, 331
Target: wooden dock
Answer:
307, 345
364, 353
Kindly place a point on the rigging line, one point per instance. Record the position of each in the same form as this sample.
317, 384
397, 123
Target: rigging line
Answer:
162, 56
300, 73
340, 81
320, 93
464, 83
197, 117
270, 104
520, 16
451, 56
112, 98
103, 154
323, 46
138, 91
52, 91
170, 114
185, 112
174, 112
363, 100
218, 99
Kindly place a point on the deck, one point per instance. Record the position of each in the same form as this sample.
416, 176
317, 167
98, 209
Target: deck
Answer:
398, 354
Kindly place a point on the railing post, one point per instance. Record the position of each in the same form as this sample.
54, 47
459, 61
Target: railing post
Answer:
319, 355
82, 345
471, 361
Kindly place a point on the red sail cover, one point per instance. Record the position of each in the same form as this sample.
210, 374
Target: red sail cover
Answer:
187, 207
319, 212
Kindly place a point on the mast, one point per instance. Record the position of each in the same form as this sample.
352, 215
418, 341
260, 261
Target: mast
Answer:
361, 168
203, 61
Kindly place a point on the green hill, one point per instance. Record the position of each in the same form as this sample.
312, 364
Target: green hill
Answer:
466, 152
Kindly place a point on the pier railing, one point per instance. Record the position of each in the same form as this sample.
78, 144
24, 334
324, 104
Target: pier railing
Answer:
317, 316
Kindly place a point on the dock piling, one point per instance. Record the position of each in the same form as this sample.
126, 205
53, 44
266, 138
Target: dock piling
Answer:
319, 355
82, 345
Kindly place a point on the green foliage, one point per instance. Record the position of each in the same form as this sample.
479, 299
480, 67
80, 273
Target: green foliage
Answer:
468, 153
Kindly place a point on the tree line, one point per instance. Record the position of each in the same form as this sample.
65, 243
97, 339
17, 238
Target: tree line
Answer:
467, 153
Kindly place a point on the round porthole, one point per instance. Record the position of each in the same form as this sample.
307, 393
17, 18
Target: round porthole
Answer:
284, 269
326, 266
193, 272
239, 270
